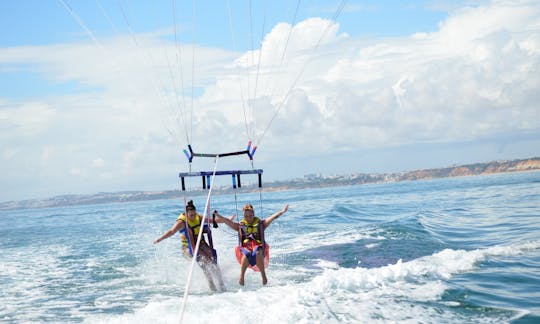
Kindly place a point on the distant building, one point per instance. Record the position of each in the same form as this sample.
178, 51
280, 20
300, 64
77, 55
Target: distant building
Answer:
312, 176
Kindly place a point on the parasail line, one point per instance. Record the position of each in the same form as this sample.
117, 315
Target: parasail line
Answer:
199, 236
153, 65
233, 39
104, 13
281, 66
82, 24
179, 58
282, 103
253, 121
193, 66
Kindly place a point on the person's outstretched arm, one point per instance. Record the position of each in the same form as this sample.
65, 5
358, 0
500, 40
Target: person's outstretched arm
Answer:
179, 225
227, 221
270, 219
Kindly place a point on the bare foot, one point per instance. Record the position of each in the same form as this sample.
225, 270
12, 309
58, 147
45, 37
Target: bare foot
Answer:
264, 280
241, 281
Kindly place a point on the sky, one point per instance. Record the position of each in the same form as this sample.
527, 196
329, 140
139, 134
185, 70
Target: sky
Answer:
103, 96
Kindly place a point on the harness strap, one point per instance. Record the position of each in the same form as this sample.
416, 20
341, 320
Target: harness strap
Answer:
189, 235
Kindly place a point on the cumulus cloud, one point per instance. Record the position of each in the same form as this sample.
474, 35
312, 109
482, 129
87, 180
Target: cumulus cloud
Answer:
475, 77
26, 119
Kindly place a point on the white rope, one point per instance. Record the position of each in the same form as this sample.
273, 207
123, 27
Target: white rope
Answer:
155, 80
160, 87
253, 103
281, 66
233, 40
290, 32
104, 13
243, 101
193, 66
179, 60
199, 237
82, 24
108, 53
293, 85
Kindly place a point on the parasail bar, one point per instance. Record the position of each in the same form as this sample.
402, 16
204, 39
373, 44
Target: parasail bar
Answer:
205, 175
225, 172
249, 151
220, 154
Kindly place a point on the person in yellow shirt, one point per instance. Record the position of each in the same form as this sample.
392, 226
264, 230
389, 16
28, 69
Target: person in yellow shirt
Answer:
252, 250
189, 227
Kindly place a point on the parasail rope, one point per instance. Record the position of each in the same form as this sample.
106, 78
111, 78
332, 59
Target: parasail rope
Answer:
253, 121
290, 32
181, 111
82, 24
199, 237
89, 32
235, 204
248, 64
283, 54
231, 27
193, 66
293, 85
153, 65
104, 13
179, 58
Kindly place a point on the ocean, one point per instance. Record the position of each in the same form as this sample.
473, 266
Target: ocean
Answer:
456, 250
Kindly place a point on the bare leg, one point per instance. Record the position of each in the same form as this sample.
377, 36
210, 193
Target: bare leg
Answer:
210, 269
217, 273
260, 265
208, 275
243, 268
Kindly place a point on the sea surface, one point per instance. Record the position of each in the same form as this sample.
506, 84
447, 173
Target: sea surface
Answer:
458, 250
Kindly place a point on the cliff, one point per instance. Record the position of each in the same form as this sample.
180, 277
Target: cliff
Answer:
474, 169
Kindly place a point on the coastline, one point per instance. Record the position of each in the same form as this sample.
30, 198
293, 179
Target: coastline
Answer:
307, 181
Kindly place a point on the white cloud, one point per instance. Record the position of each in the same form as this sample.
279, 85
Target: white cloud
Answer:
24, 120
478, 76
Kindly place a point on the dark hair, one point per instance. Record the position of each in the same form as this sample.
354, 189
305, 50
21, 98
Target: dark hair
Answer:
190, 205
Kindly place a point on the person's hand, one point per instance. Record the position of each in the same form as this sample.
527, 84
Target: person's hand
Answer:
285, 208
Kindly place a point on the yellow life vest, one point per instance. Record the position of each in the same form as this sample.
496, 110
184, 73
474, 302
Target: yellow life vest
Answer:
251, 231
194, 225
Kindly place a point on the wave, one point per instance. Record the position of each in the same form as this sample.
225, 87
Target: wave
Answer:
404, 291
441, 265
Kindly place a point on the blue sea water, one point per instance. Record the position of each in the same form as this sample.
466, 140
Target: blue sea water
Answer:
459, 250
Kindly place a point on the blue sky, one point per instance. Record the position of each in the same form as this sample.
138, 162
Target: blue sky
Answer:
37, 22
387, 86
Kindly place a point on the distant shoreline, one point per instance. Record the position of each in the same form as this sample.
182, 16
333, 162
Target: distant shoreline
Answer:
308, 181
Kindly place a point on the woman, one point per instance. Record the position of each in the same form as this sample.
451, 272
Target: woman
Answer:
207, 257
251, 236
